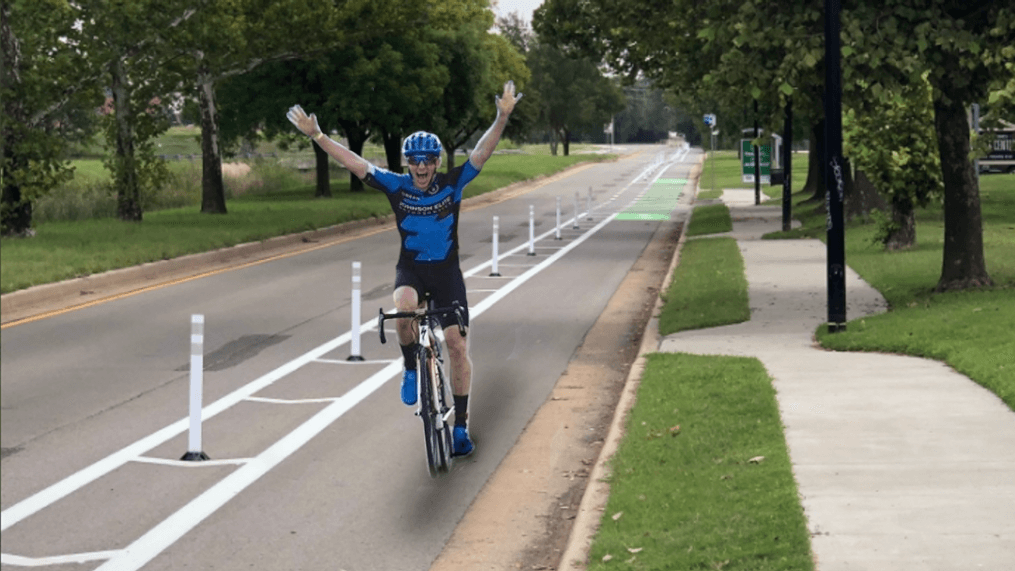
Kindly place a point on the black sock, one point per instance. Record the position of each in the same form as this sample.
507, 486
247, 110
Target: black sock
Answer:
409, 354
461, 410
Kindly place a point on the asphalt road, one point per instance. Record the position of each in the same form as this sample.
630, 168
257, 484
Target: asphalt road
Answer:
315, 462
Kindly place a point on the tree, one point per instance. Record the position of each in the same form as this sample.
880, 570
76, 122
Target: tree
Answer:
46, 102
575, 95
128, 41
965, 47
893, 142
480, 64
524, 119
959, 47
234, 37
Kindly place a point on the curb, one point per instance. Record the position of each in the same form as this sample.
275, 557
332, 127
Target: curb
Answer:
586, 523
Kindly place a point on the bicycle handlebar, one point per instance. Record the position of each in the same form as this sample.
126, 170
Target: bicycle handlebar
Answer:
455, 308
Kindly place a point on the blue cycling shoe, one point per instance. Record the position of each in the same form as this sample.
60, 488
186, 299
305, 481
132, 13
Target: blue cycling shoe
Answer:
409, 388
462, 443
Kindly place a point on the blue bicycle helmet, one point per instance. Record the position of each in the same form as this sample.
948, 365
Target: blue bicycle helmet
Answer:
422, 143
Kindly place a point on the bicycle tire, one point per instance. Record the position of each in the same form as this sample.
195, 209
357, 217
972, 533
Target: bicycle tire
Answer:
427, 412
445, 439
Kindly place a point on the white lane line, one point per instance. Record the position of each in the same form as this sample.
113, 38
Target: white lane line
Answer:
189, 464
294, 401
47, 496
344, 362
19, 561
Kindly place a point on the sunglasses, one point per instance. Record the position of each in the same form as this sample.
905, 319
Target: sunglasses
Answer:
424, 160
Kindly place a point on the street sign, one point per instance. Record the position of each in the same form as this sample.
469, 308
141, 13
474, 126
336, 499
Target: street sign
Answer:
709, 119
747, 162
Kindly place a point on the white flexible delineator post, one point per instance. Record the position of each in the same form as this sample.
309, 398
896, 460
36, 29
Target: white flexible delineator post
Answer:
355, 354
532, 230
195, 449
496, 237
576, 199
589, 209
557, 237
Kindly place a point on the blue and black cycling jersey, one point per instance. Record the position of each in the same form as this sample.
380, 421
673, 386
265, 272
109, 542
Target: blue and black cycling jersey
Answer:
427, 220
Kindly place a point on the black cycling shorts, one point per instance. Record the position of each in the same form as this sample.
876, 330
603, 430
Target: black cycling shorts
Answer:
444, 283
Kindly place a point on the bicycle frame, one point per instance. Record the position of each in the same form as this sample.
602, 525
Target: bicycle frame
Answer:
434, 406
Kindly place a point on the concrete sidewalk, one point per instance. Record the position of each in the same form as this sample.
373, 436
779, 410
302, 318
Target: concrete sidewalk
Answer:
902, 463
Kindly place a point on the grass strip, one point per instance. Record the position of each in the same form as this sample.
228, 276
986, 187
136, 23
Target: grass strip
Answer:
67, 249
710, 219
708, 288
709, 195
702, 478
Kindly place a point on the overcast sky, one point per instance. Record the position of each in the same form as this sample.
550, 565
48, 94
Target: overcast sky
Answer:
523, 7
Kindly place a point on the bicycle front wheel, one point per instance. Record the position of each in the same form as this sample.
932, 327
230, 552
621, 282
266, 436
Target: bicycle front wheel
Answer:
429, 413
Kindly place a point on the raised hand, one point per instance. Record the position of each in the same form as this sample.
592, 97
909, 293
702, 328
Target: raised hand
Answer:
306, 124
506, 102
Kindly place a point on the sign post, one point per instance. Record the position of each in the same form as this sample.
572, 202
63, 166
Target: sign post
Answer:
747, 161
711, 122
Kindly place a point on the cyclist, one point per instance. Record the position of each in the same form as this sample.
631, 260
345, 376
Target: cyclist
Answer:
426, 206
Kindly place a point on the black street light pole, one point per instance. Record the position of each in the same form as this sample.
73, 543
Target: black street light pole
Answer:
834, 182
787, 168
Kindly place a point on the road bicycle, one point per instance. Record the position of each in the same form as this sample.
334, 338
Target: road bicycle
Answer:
436, 404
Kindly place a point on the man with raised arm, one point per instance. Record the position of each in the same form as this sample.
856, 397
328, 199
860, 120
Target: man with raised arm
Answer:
426, 204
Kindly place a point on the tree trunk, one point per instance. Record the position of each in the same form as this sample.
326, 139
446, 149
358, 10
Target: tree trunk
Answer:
815, 165
357, 136
963, 265
864, 198
128, 195
553, 144
393, 150
450, 152
323, 174
902, 235
15, 212
567, 142
213, 190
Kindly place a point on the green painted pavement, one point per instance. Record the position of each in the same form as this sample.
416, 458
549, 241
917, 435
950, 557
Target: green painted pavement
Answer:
658, 202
